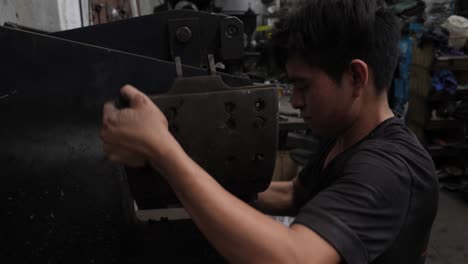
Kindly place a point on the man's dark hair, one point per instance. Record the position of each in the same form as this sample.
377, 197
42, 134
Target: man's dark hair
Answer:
328, 34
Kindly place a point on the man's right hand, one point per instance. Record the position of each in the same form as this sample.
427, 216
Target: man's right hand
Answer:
137, 134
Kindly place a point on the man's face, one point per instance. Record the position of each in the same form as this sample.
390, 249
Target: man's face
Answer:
324, 104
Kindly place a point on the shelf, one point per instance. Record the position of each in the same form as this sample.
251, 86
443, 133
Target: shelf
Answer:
454, 63
447, 150
445, 96
444, 124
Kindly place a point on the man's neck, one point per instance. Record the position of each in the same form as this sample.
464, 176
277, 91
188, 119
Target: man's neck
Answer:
371, 116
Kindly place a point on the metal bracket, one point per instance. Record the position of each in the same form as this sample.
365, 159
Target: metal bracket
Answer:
231, 32
211, 120
184, 36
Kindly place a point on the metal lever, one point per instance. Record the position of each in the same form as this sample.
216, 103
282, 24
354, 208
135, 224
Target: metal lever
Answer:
178, 63
211, 64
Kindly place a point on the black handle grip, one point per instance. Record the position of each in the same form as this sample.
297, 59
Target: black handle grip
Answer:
122, 102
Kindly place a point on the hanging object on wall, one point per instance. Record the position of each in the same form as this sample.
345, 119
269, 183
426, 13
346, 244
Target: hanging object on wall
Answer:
194, 5
104, 11
186, 5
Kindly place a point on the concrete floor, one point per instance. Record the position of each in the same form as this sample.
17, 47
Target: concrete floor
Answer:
449, 240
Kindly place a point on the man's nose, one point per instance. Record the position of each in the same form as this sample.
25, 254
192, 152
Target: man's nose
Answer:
296, 100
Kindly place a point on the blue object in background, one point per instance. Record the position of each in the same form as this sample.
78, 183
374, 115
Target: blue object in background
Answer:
416, 28
444, 80
401, 84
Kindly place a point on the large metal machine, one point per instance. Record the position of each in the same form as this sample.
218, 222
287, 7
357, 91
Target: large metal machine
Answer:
61, 200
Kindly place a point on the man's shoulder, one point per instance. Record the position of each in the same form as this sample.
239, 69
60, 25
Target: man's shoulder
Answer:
392, 153
393, 142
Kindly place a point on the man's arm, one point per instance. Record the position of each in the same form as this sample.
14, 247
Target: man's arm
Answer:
239, 232
281, 198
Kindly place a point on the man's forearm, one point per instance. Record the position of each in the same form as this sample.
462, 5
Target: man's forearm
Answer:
239, 232
278, 199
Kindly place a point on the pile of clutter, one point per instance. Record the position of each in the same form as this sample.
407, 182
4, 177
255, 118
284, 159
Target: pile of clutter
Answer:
453, 179
448, 31
430, 21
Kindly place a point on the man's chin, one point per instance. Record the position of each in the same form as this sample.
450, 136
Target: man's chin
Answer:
321, 132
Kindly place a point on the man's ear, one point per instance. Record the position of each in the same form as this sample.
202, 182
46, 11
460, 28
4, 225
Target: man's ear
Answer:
359, 72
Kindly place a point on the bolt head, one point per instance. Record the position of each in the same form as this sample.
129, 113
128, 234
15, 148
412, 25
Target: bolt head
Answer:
232, 31
184, 34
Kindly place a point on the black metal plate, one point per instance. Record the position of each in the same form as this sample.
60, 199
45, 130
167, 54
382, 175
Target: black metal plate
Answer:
232, 134
148, 35
61, 200
77, 72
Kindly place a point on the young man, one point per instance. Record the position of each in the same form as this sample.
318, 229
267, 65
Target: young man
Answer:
370, 197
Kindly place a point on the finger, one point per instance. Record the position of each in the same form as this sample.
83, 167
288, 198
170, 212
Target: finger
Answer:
103, 134
106, 148
134, 96
110, 113
107, 135
110, 107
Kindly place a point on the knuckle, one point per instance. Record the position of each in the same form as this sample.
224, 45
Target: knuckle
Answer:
110, 120
106, 148
106, 134
141, 99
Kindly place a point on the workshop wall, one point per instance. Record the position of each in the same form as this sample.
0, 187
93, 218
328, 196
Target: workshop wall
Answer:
147, 6
241, 5
51, 15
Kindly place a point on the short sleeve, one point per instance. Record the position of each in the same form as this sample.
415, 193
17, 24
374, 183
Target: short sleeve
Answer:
361, 213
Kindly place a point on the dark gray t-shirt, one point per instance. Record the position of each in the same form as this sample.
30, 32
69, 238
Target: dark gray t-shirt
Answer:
375, 202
